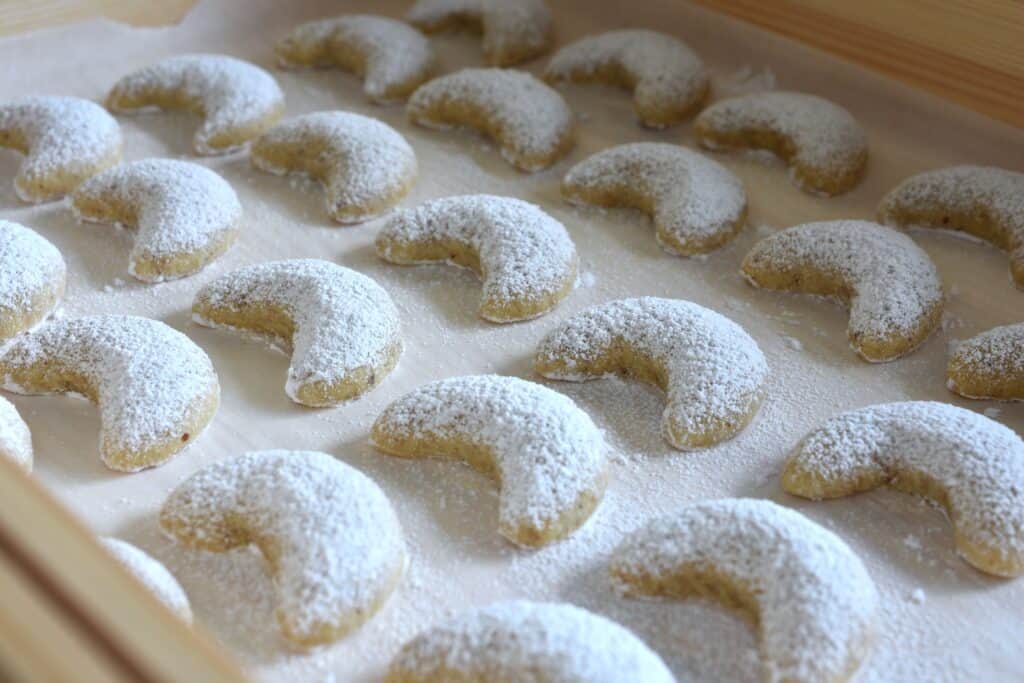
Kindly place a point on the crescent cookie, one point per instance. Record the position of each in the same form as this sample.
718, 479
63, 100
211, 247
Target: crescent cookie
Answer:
513, 31
151, 574
331, 539
712, 371
184, 215
364, 165
64, 139
34, 277
970, 465
824, 146
697, 204
527, 641
548, 456
667, 78
890, 284
391, 57
236, 100
983, 201
156, 390
990, 365
339, 326
15, 437
525, 257
804, 590
529, 121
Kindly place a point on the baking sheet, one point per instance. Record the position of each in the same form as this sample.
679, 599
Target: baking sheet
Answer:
941, 620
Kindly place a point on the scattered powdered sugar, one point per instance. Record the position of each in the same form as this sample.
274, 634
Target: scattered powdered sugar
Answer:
15, 438
746, 80
992, 412
917, 596
548, 454
521, 640
513, 30
151, 574
29, 265
815, 602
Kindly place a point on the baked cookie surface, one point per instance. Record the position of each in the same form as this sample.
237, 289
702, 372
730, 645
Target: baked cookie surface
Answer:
33, 278
989, 365
151, 574
15, 437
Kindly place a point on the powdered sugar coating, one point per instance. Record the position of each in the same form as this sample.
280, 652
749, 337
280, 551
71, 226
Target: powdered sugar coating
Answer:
989, 365
547, 454
668, 79
891, 285
33, 278
365, 165
65, 140
984, 201
184, 214
697, 204
237, 100
526, 258
151, 574
342, 323
330, 536
392, 57
156, 390
15, 438
971, 465
513, 30
528, 641
530, 121
712, 371
809, 594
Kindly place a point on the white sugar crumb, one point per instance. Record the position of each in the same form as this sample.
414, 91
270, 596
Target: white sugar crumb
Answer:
588, 279
793, 343
747, 79
992, 412
917, 596
912, 542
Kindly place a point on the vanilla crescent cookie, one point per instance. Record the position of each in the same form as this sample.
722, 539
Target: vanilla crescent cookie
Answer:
805, 591
889, 283
548, 456
513, 31
391, 57
527, 641
236, 100
183, 215
331, 539
983, 201
990, 365
156, 390
364, 165
697, 204
970, 465
525, 257
33, 278
529, 121
339, 326
15, 437
824, 146
667, 78
151, 574
64, 139
712, 371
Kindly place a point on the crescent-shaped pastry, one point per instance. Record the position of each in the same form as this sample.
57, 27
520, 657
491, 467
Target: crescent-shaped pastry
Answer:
513, 31
806, 592
151, 574
983, 201
697, 204
970, 465
391, 57
890, 284
184, 215
525, 257
667, 78
824, 146
33, 278
547, 455
990, 365
527, 641
64, 139
364, 165
339, 326
712, 371
529, 120
156, 390
15, 437
329, 534
236, 100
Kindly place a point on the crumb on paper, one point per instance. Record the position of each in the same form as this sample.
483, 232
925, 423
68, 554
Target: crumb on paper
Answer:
917, 596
